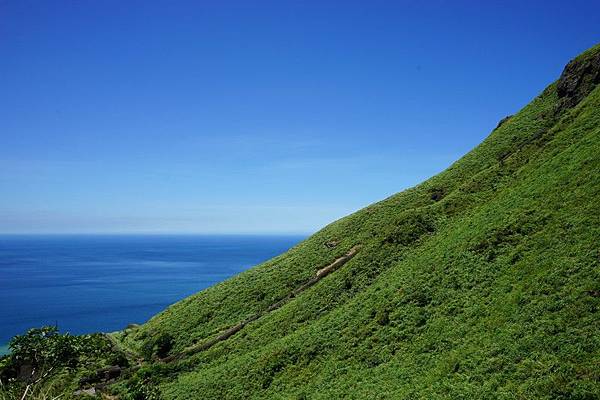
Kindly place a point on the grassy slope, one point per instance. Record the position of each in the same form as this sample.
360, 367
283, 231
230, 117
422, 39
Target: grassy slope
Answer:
477, 283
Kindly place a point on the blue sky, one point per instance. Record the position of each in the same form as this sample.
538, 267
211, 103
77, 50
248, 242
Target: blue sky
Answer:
239, 117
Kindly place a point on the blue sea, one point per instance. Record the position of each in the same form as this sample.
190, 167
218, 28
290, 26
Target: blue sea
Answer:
101, 283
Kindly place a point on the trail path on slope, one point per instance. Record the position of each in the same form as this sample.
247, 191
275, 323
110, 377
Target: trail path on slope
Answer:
321, 273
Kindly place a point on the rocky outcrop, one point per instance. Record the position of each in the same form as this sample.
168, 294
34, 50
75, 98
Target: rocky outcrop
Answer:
502, 121
578, 79
89, 392
330, 244
102, 375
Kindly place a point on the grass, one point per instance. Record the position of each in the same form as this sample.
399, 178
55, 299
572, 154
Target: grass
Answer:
474, 284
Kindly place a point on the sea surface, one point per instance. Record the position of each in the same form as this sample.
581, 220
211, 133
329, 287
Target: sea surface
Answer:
101, 283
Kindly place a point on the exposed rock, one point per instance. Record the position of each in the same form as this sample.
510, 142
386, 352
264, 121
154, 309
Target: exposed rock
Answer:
330, 244
102, 375
437, 193
577, 80
26, 372
90, 392
502, 121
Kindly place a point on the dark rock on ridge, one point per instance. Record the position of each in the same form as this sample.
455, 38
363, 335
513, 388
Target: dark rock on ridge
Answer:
502, 121
577, 80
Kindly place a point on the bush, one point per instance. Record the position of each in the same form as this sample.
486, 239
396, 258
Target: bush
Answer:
44, 349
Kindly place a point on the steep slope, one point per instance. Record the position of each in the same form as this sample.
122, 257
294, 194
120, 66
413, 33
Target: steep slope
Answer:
482, 282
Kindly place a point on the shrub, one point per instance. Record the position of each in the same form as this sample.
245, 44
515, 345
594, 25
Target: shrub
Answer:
44, 349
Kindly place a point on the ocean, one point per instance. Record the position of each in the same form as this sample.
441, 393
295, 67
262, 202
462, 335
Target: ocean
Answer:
102, 283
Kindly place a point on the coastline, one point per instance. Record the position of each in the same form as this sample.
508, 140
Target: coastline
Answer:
137, 276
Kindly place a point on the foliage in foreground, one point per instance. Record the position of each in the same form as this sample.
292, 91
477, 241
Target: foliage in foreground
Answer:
44, 363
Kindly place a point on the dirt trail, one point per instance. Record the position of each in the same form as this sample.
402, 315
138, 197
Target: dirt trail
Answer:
321, 273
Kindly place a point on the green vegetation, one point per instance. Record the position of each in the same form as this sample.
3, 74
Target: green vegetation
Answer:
44, 363
482, 282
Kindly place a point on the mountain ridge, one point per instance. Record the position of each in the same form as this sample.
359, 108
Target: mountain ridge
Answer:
413, 244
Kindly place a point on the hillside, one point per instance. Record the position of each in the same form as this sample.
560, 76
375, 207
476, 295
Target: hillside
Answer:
481, 282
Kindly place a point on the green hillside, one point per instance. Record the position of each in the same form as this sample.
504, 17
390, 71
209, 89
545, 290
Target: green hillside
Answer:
482, 282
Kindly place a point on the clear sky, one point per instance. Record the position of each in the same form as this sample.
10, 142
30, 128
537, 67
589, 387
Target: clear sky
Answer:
251, 116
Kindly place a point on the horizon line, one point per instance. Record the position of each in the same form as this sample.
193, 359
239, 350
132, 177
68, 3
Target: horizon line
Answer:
146, 233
